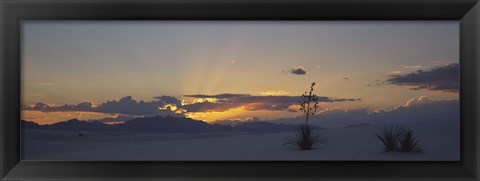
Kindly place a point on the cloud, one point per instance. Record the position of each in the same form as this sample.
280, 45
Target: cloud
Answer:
412, 66
84, 106
169, 100
272, 93
421, 109
416, 101
126, 105
168, 105
422, 100
280, 99
377, 83
300, 70
396, 72
442, 78
218, 96
209, 107
250, 102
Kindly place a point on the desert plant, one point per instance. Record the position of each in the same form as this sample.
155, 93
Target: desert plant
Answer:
306, 136
309, 103
397, 138
390, 136
409, 143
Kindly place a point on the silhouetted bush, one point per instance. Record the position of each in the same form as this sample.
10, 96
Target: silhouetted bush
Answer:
397, 138
390, 136
307, 137
409, 143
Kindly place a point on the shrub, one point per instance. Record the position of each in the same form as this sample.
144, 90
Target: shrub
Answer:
409, 143
397, 138
306, 137
390, 136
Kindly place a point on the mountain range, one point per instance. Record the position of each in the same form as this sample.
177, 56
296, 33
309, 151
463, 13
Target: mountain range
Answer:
160, 124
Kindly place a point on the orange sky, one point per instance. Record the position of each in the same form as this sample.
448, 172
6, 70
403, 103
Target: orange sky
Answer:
97, 62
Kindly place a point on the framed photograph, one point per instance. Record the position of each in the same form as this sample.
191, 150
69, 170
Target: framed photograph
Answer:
248, 90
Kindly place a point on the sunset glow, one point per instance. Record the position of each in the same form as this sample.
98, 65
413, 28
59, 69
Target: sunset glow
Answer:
215, 71
53, 117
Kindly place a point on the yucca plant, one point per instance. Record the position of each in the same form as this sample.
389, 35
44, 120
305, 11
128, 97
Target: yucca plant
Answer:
397, 138
390, 136
307, 136
409, 143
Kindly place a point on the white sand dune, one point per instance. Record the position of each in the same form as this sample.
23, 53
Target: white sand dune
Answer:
439, 140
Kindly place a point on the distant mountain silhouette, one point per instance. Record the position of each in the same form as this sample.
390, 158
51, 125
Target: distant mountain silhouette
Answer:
78, 125
29, 125
169, 124
161, 124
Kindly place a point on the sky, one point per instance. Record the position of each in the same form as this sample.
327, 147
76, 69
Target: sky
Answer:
218, 70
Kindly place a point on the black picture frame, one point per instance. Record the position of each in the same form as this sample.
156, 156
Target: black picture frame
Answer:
14, 11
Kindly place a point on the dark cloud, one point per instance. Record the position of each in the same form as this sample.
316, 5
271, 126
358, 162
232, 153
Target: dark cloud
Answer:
342, 100
84, 106
224, 102
298, 70
279, 99
262, 99
443, 78
251, 103
126, 105
270, 107
169, 100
